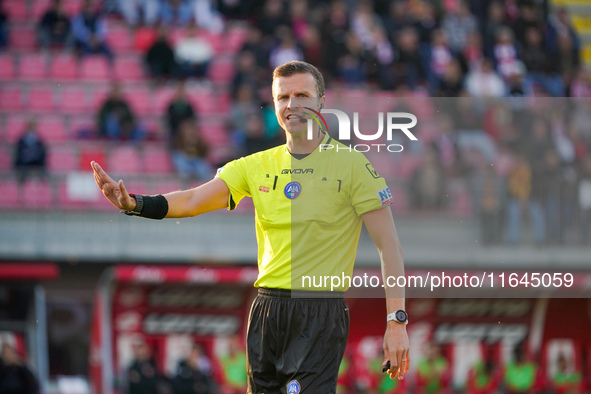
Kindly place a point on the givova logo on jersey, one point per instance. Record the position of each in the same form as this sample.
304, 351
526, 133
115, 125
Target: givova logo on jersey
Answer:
293, 387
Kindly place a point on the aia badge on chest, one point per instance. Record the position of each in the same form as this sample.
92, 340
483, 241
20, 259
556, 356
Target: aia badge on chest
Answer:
292, 190
293, 387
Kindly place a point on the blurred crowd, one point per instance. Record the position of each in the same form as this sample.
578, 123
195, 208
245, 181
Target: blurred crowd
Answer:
517, 161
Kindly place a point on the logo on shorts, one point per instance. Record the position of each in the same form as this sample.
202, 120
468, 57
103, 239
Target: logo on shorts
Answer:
385, 196
292, 190
293, 387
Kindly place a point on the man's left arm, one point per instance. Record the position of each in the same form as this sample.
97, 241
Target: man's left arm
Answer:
381, 228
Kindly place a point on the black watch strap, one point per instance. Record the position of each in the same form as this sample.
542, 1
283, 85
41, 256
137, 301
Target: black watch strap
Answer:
139, 205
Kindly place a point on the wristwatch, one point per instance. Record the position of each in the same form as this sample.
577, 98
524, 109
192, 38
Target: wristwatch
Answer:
139, 204
399, 316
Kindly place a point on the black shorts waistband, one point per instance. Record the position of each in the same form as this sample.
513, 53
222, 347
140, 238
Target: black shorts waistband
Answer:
286, 293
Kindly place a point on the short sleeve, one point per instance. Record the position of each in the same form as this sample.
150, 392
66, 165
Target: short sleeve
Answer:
369, 190
235, 176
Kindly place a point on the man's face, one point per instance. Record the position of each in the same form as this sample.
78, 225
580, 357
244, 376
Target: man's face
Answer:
291, 96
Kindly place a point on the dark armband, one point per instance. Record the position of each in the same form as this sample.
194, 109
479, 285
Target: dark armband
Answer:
151, 207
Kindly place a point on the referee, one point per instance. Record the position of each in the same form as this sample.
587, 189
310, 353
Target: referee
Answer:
311, 202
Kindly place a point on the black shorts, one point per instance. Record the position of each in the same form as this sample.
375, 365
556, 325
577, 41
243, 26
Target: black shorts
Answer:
295, 345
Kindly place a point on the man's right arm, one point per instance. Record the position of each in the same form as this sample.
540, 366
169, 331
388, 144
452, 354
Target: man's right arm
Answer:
205, 198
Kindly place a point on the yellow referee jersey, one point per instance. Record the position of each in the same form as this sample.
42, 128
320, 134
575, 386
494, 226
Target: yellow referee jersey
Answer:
307, 210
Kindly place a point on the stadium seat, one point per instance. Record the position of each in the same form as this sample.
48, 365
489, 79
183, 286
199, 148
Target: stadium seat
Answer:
144, 38
64, 67
62, 158
17, 10
93, 152
11, 98
9, 194
14, 128
82, 126
33, 67
119, 38
37, 194
125, 159
41, 99
165, 186
214, 133
162, 98
140, 100
129, 69
74, 100
6, 67
222, 71
137, 186
51, 128
95, 68
38, 8
235, 38
23, 38
6, 157
157, 160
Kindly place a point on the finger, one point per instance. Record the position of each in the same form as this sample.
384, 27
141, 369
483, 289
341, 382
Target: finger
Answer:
407, 361
403, 368
124, 196
101, 173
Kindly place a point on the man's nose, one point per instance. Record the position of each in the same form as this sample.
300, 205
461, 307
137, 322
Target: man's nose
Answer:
294, 102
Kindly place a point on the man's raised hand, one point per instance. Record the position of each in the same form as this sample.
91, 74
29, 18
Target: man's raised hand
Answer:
115, 192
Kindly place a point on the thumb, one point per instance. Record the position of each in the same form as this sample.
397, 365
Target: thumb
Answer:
124, 196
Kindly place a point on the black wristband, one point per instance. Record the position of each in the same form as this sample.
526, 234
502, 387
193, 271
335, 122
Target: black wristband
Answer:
154, 207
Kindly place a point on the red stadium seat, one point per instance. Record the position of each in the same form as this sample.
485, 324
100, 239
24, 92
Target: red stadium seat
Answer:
39, 7
214, 133
95, 68
93, 152
9, 194
64, 67
33, 67
11, 98
140, 100
98, 96
23, 38
166, 186
37, 194
51, 128
119, 38
63, 158
157, 160
222, 71
5, 157
41, 99
17, 10
129, 69
82, 126
144, 38
125, 159
14, 128
162, 98
6, 67
235, 38
75, 100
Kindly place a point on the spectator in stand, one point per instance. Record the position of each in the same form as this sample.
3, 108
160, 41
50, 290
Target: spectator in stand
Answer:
30, 153
234, 370
527, 19
458, 24
427, 184
287, 49
568, 59
409, 68
193, 54
207, 16
256, 136
274, 15
54, 27
584, 194
89, 28
473, 52
334, 30
254, 44
425, 23
496, 21
489, 207
483, 81
311, 45
179, 110
176, 13
140, 12
15, 377
520, 373
351, 67
440, 58
383, 54
3, 28
189, 153
142, 376
363, 22
505, 54
560, 25
116, 120
541, 66
246, 103
433, 373
247, 73
160, 57
299, 19
193, 375
396, 19
566, 379
452, 80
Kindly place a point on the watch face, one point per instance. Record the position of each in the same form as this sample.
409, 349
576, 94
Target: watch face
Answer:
401, 316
